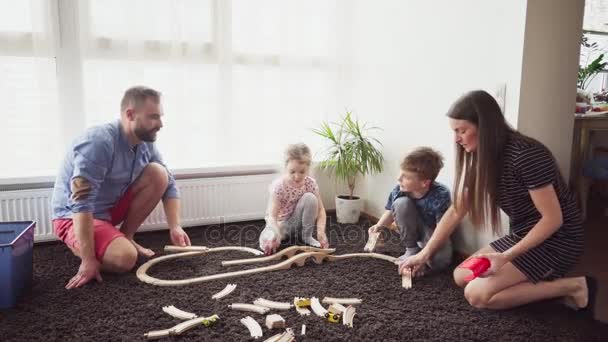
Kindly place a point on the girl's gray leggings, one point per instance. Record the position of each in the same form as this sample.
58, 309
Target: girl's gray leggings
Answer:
300, 225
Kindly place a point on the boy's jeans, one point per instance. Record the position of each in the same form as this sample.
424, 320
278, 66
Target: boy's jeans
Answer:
414, 232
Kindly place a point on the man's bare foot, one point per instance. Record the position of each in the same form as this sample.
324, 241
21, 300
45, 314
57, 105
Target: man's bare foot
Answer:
579, 298
146, 252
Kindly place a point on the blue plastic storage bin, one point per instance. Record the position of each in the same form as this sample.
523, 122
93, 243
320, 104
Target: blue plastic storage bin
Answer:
16, 260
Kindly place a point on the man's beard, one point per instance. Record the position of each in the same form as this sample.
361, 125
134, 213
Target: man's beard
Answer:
146, 135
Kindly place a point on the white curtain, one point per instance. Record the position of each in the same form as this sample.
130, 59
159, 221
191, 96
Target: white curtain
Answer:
29, 118
596, 20
596, 15
240, 78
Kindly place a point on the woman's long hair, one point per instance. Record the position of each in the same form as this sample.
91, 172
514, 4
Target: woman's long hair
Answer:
478, 172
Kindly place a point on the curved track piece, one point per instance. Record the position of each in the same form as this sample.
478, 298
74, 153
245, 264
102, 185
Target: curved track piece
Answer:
255, 330
298, 259
349, 315
226, 291
143, 269
289, 252
177, 313
180, 328
272, 304
317, 308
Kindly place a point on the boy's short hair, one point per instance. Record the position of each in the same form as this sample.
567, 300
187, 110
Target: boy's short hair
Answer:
423, 161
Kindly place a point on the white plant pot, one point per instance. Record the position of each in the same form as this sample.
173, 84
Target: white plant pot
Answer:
348, 210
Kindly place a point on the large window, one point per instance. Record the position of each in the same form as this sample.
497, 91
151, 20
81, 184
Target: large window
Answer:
30, 121
240, 78
595, 28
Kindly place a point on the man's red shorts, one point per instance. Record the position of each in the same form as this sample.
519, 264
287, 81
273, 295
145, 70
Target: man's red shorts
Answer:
104, 232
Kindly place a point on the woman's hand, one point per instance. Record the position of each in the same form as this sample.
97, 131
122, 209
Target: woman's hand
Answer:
497, 260
413, 264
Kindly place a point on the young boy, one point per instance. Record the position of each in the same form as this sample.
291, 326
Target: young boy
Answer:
416, 205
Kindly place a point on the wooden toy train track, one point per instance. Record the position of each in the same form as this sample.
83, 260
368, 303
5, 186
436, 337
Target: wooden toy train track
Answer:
318, 256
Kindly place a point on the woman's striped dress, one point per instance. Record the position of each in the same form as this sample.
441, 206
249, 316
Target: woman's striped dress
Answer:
529, 165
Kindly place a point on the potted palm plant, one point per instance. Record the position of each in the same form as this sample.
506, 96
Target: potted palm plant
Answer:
352, 151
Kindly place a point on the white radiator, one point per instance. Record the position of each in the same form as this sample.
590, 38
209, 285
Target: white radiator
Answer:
203, 201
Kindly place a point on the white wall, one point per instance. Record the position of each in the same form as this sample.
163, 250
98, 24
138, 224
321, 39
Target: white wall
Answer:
412, 59
549, 73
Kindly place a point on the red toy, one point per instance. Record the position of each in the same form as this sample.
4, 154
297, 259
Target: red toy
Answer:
477, 265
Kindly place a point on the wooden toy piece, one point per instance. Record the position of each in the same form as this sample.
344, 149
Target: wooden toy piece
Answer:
275, 321
347, 301
336, 308
157, 334
226, 291
333, 317
298, 260
288, 252
255, 330
177, 313
477, 265
301, 305
272, 304
287, 336
371, 242
301, 302
182, 327
316, 307
348, 316
213, 249
249, 307
406, 280
274, 338
335, 313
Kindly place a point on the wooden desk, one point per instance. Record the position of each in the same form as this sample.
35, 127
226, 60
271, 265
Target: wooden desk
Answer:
583, 126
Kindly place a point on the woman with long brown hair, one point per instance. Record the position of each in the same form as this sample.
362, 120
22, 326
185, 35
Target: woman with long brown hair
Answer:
500, 168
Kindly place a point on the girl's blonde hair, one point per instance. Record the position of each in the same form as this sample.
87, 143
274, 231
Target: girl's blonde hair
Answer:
299, 152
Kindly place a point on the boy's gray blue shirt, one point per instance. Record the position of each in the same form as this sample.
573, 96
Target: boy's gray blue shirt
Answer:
431, 207
104, 157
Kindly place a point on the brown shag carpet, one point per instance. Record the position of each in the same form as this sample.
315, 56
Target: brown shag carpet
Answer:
122, 308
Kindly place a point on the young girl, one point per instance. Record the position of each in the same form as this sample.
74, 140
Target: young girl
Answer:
295, 206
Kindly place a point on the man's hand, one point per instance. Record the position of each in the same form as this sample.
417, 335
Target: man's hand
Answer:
89, 269
179, 237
